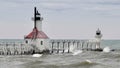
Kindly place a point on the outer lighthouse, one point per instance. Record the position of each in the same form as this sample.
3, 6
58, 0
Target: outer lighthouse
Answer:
37, 38
98, 37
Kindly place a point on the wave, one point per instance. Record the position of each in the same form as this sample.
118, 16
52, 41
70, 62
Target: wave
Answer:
77, 52
75, 65
84, 64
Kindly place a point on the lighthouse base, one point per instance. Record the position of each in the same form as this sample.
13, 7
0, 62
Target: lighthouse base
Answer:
41, 52
98, 49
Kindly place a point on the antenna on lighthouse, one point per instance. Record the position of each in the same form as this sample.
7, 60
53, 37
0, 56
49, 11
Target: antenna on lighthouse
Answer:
35, 17
34, 36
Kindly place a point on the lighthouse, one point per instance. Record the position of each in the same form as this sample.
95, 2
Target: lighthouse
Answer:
37, 38
98, 37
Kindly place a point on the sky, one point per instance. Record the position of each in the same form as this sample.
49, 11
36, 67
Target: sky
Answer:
63, 19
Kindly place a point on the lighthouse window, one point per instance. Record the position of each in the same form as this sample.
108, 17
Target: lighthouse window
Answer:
26, 41
41, 42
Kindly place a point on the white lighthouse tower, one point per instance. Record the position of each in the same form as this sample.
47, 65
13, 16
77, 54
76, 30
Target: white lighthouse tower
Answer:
38, 20
98, 37
37, 38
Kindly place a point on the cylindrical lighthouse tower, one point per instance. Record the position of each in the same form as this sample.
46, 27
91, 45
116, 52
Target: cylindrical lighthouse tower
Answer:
37, 20
98, 37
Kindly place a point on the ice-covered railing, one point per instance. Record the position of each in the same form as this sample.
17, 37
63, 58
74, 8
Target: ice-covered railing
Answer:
12, 48
59, 45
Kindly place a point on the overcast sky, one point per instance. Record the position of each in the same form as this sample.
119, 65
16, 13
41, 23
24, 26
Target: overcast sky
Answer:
63, 19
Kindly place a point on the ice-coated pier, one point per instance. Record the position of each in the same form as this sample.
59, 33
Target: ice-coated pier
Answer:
14, 48
55, 46
63, 46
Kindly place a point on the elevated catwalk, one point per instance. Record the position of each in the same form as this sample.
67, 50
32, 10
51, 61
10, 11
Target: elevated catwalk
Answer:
55, 46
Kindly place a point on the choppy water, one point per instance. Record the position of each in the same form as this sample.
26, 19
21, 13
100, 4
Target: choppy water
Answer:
86, 59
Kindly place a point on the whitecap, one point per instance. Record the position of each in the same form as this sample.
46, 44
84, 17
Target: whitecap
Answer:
106, 49
88, 61
77, 52
37, 55
72, 48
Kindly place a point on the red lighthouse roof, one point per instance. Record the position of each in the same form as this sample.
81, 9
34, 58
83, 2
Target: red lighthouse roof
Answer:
35, 34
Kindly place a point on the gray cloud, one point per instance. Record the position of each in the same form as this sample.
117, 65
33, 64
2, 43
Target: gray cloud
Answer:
99, 6
68, 4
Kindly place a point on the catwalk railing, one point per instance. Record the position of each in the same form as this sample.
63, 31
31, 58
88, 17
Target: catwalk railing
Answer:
15, 49
55, 46
63, 46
